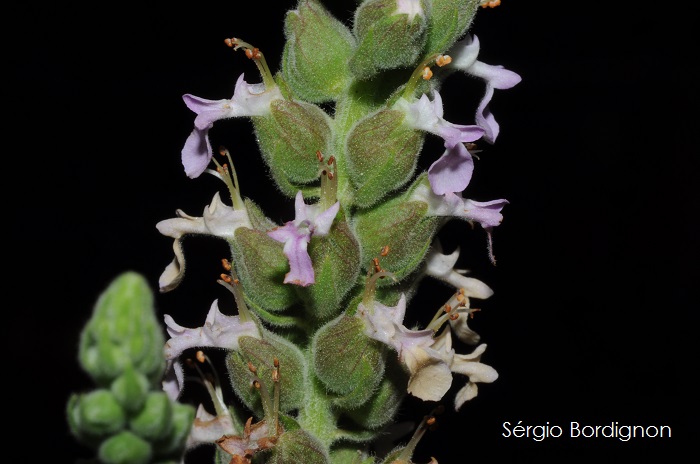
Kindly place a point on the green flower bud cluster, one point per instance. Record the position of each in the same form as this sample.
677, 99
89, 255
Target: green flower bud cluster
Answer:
127, 418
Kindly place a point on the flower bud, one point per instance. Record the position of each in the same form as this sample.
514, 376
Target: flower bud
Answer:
261, 266
173, 443
447, 23
123, 331
261, 353
154, 421
385, 402
316, 53
125, 448
289, 138
336, 262
131, 389
390, 35
95, 415
403, 227
348, 362
382, 154
298, 446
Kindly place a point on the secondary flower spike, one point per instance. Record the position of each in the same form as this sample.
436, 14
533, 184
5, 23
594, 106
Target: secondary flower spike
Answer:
309, 221
248, 100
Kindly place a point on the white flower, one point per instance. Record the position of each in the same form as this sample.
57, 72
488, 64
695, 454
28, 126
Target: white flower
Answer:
218, 220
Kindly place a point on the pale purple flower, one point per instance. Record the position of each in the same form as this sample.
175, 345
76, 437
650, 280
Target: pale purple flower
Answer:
309, 221
464, 54
248, 100
426, 115
452, 171
486, 213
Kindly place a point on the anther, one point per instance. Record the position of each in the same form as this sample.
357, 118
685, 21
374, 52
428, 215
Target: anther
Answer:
454, 316
330, 175
276, 362
252, 368
427, 73
447, 307
385, 250
443, 60
226, 264
200, 357
472, 311
256, 384
226, 278
331, 160
430, 422
490, 3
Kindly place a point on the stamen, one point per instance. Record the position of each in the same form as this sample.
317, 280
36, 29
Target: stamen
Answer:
233, 284
385, 250
443, 60
211, 382
256, 55
427, 73
228, 176
329, 183
418, 74
371, 284
457, 304
428, 423
226, 264
276, 395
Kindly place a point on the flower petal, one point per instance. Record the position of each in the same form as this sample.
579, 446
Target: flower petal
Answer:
452, 171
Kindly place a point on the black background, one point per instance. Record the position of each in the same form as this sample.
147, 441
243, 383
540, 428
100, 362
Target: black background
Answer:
594, 314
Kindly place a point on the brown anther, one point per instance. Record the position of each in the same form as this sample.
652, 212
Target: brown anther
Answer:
226, 264
275, 375
471, 314
427, 73
331, 160
443, 60
249, 53
226, 278
200, 356
330, 175
324, 173
319, 156
454, 316
252, 368
385, 250
377, 267
460, 297
430, 421
236, 281
276, 362
461, 291
256, 384
230, 42
189, 362
222, 151
470, 146
447, 308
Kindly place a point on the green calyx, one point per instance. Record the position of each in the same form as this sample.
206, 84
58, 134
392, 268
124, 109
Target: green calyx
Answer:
316, 53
